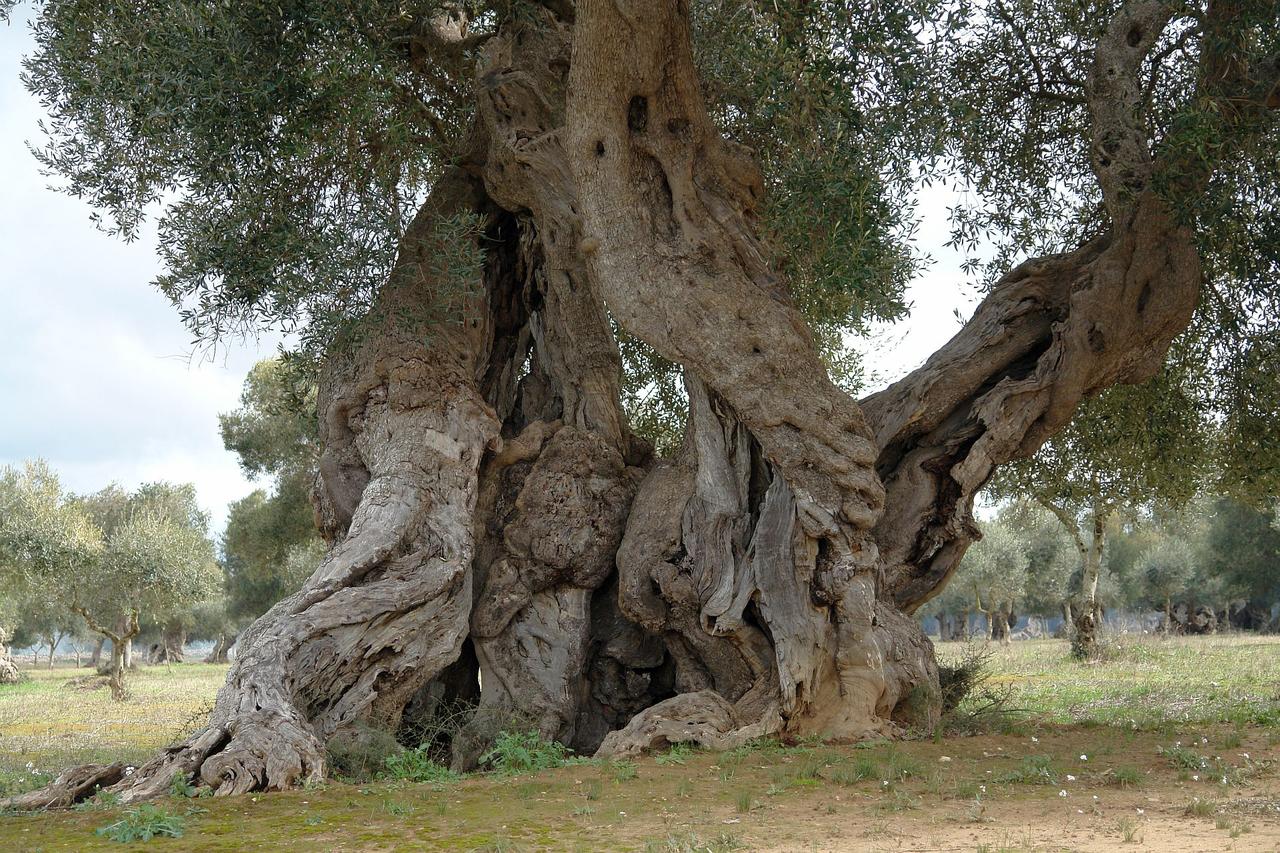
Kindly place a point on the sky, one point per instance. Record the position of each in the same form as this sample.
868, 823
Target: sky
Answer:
99, 377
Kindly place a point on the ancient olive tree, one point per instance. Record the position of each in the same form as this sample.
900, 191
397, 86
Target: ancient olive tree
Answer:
461, 208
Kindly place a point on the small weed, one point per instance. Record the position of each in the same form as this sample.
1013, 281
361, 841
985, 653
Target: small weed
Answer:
810, 770
1182, 758
1034, 770
692, 843
900, 766
1234, 829
864, 767
143, 824
583, 811
524, 752
1232, 740
623, 771
744, 802
1201, 808
397, 808
765, 746
180, 786
1128, 829
678, 754
1123, 777
314, 820
592, 791
414, 765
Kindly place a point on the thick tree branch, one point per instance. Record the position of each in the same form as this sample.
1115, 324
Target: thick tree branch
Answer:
1119, 150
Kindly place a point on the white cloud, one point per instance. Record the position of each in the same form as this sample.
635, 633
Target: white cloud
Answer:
96, 371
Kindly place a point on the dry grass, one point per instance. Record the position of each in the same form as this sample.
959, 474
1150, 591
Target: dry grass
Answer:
64, 716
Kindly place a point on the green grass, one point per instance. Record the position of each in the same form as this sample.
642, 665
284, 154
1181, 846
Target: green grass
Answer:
1147, 684
143, 824
771, 793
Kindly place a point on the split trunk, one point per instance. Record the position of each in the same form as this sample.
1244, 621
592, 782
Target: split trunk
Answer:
502, 541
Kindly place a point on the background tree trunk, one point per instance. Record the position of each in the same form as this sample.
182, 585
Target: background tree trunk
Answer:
173, 640
115, 673
1084, 641
221, 646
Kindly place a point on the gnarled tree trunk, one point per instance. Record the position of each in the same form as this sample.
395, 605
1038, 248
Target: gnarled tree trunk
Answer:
173, 640
221, 647
494, 520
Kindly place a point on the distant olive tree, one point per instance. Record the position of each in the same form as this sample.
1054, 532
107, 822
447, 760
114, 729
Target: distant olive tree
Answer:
156, 559
1167, 569
994, 573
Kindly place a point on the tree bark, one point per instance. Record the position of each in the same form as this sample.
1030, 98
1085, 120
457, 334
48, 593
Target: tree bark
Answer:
115, 673
494, 520
121, 639
1084, 643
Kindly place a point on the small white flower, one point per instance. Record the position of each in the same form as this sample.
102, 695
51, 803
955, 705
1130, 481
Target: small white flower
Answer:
622, 814
1245, 756
1224, 780
1142, 811
1095, 798
1035, 739
1062, 793
1079, 811
885, 783
1195, 778
982, 788
1084, 757
31, 765
944, 759
128, 771
1070, 778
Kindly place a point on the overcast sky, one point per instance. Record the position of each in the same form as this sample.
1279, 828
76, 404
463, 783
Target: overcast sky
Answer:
99, 377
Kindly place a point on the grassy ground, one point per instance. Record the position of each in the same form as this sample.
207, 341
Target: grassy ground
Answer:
1171, 746
64, 716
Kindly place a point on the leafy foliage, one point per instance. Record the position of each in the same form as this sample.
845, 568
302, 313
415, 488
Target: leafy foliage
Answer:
415, 765
524, 752
270, 545
144, 823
